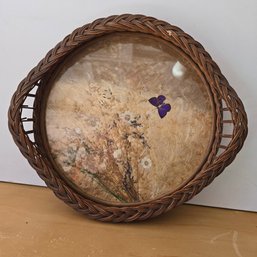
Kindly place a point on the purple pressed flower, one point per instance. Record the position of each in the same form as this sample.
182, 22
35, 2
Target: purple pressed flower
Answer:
158, 102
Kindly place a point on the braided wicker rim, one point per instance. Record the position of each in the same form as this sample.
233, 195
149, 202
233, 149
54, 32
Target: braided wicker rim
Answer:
225, 98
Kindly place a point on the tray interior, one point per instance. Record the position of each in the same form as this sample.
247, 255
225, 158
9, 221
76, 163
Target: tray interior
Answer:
108, 133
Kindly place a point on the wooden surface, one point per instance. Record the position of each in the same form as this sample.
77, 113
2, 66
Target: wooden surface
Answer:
35, 223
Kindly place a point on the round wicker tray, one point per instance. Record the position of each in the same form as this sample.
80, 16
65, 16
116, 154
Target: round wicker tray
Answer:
127, 118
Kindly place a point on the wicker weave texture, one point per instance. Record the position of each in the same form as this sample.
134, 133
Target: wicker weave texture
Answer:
224, 97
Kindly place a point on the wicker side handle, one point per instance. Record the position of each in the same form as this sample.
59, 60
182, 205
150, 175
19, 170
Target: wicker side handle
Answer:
234, 123
230, 134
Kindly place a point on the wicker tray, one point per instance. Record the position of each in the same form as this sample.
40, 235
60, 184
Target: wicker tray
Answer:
127, 118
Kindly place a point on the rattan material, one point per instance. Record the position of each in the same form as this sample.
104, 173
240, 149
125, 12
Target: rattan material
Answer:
225, 99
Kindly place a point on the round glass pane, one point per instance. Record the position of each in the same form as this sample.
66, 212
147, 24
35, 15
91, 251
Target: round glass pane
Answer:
128, 118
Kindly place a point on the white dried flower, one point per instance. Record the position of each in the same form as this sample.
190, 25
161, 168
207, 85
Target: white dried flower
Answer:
146, 163
117, 153
78, 131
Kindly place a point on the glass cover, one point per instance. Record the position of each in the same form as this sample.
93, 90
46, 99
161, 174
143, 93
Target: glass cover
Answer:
128, 118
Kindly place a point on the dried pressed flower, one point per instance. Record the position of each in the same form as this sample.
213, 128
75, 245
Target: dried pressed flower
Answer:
146, 163
117, 153
127, 116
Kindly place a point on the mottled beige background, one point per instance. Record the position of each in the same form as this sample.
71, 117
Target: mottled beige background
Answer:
105, 135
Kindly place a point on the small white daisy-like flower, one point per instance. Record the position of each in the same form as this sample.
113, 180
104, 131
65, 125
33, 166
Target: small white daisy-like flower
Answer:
146, 163
117, 153
78, 131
